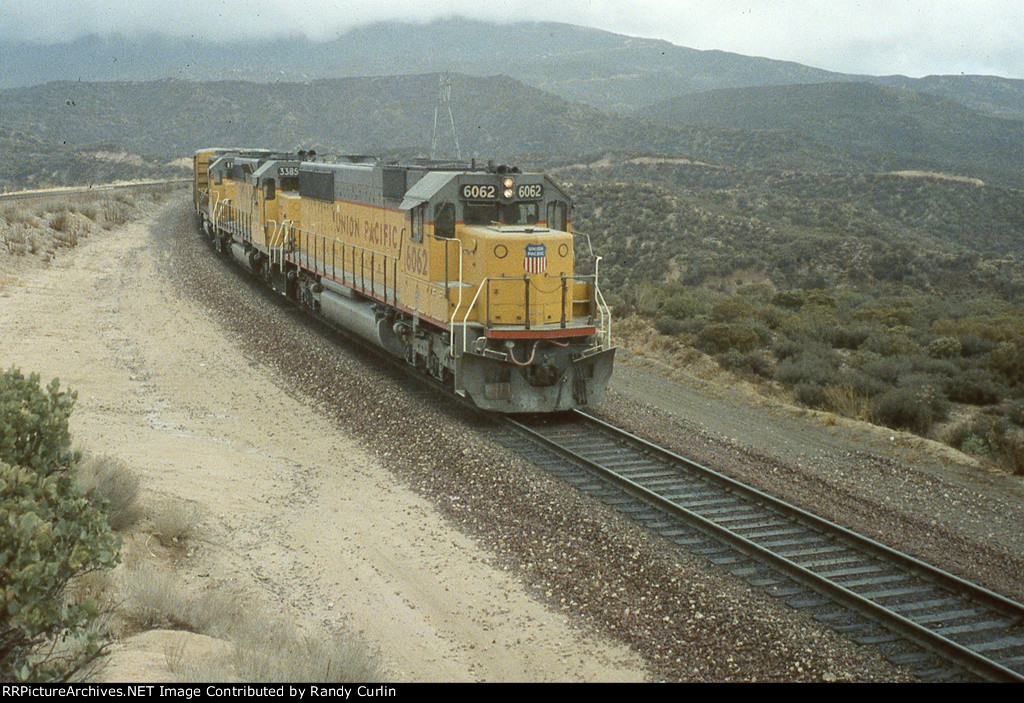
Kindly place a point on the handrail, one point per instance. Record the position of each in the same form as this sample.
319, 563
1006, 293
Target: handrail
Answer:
451, 322
469, 310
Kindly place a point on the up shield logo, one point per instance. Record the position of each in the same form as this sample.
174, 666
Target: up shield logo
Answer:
536, 258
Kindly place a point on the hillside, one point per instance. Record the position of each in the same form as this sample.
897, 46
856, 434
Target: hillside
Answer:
607, 70
497, 118
903, 128
31, 161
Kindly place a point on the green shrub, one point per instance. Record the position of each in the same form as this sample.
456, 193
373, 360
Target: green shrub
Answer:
892, 342
908, 408
755, 362
1008, 359
721, 337
975, 386
34, 423
730, 309
945, 348
669, 326
815, 365
990, 437
50, 534
684, 305
792, 299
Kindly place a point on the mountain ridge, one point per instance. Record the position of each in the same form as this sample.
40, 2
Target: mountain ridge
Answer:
605, 69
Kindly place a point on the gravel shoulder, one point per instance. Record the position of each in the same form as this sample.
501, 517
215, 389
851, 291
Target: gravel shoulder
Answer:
338, 496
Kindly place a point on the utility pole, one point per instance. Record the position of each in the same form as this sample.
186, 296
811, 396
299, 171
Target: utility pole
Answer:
444, 99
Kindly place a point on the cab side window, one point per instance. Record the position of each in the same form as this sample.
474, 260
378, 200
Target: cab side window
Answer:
269, 189
557, 213
416, 233
444, 220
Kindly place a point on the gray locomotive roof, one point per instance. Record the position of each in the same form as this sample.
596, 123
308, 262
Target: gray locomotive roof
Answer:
426, 187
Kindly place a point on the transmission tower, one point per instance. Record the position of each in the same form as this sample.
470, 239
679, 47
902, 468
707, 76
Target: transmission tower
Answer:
444, 100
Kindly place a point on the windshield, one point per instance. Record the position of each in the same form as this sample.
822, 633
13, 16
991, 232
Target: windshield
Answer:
489, 213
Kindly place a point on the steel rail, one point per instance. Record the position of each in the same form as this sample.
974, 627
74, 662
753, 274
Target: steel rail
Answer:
922, 635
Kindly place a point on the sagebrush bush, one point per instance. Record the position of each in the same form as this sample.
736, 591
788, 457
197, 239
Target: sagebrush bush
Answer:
907, 408
974, 386
175, 523
116, 486
1008, 359
721, 337
945, 348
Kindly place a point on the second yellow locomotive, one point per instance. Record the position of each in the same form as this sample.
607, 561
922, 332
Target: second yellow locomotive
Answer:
465, 271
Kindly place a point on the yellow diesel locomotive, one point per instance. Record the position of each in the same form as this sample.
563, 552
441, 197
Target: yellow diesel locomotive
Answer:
465, 271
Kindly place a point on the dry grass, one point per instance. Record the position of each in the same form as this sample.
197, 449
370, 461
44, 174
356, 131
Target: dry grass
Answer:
175, 523
844, 400
114, 482
263, 648
274, 651
154, 597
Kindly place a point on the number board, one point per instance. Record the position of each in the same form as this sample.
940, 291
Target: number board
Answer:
473, 191
288, 171
530, 192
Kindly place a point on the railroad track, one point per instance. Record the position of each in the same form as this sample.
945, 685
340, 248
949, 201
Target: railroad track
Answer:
937, 624
83, 190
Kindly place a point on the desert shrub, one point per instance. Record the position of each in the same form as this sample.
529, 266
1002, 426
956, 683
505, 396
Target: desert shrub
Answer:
62, 221
756, 362
945, 348
720, 337
792, 299
886, 369
115, 486
990, 437
908, 408
811, 395
115, 212
789, 347
975, 386
973, 345
50, 535
1008, 359
813, 363
774, 317
669, 326
821, 298
175, 523
684, 305
19, 216
851, 336
731, 309
34, 423
892, 342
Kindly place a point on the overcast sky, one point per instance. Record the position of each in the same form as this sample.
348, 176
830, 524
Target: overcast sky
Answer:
912, 37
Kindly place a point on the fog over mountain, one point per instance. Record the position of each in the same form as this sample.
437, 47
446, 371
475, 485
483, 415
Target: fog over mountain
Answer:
610, 71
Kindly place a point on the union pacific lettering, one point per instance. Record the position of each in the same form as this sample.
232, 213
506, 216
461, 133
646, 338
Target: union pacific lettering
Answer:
372, 232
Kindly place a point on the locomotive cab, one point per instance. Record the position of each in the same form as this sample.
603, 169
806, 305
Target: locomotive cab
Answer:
528, 334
